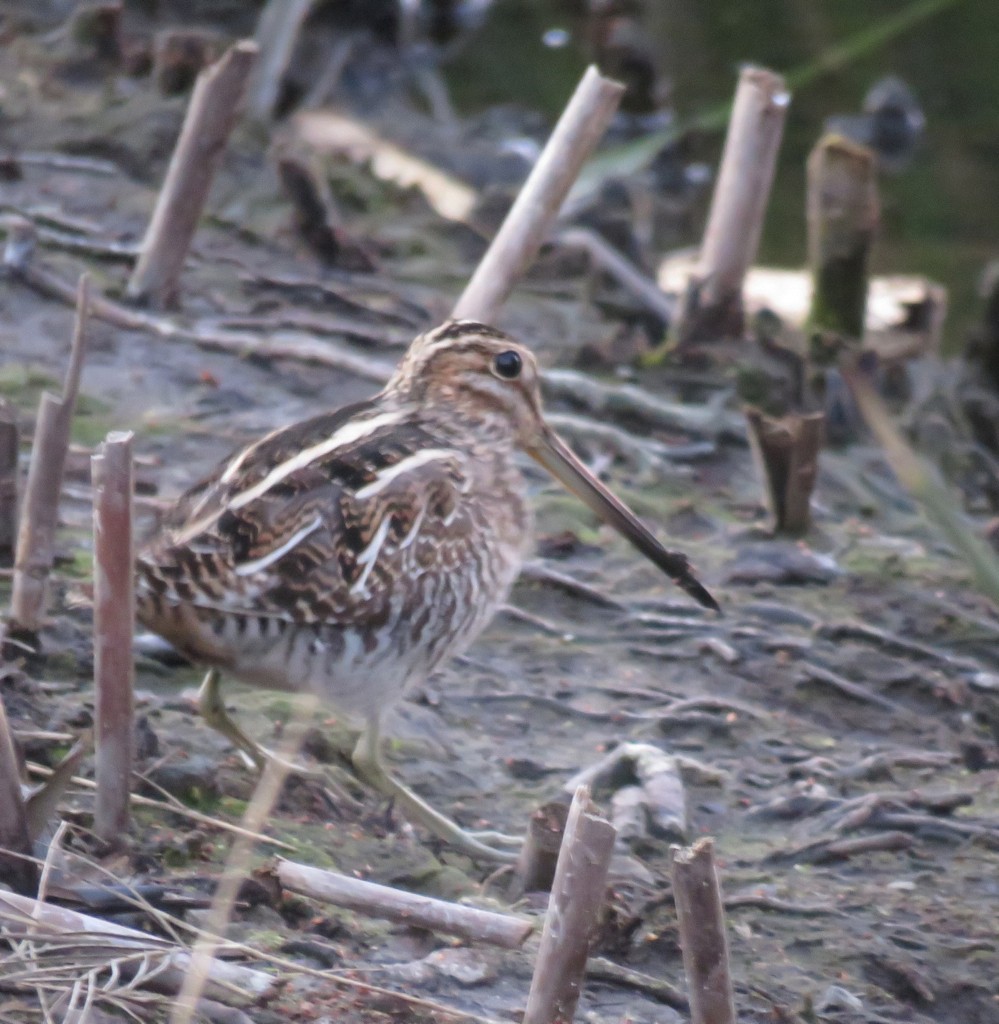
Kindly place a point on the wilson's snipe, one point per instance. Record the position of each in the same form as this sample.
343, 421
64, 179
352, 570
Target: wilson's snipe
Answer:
350, 554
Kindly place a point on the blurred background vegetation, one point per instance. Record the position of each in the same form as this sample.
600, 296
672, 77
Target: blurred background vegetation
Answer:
940, 210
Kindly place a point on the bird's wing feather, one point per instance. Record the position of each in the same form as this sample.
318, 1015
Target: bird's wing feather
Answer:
324, 538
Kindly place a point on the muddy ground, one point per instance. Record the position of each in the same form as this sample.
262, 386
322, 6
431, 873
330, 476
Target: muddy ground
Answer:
838, 724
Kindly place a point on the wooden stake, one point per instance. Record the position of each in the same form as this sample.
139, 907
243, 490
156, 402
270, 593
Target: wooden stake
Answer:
577, 895
114, 617
211, 117
16, 868
277, 30
396, 905
701, 917
36, 536
712, 307
9, 480
843, 211
533, 213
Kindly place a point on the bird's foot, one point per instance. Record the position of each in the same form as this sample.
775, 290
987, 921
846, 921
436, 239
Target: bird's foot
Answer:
492, 847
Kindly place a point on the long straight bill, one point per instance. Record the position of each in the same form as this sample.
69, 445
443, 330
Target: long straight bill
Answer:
556, 456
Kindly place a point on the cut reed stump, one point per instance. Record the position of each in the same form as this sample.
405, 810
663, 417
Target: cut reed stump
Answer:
114, 617
9, 481
16, 867
210, 119
701, 919
577, 895
712, 303
842, 211
535, 868
40, 515
786, 451
277, 31
532, 216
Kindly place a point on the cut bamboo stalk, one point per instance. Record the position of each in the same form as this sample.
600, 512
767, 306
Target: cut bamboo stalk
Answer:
16, 867
842, 210
533, 213
712, 306
9, 480
211, 117
114, 617
577, 895
410, 908
277, 31
228, 983
701, 919
40, 515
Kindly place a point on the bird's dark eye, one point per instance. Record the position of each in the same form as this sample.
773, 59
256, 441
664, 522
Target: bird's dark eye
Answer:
508, 365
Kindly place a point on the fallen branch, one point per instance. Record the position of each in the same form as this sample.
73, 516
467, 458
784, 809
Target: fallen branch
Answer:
602, 969
815, 673
533, 213
605, 257
642, 454
708, 420
656, 800
830, 850
409, 908
211, 117
296, 345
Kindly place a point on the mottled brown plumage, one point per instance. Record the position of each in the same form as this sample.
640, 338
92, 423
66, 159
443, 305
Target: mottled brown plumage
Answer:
352, 553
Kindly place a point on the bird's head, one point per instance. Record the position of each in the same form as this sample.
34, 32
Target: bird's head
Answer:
478, 370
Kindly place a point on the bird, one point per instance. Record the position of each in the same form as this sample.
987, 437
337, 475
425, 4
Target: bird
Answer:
350, 554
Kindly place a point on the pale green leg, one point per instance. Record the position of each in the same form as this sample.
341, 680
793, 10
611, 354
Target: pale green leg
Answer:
368, 764
212, 708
